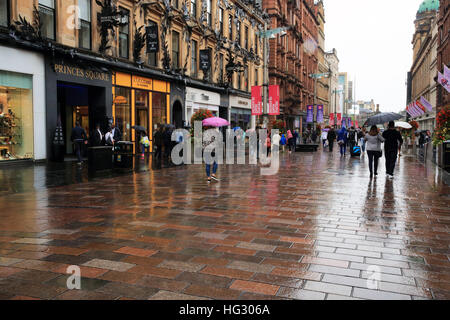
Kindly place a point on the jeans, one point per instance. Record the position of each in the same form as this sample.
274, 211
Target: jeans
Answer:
78, 147
208, 169
391, 158
343, 148
363, 145
143, 148
373, 160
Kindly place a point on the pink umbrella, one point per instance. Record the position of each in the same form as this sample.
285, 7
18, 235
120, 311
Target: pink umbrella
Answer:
215, 122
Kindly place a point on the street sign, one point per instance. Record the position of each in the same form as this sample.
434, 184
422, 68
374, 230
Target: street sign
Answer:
205, 60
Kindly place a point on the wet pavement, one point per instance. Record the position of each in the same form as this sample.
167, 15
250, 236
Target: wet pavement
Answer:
319, 229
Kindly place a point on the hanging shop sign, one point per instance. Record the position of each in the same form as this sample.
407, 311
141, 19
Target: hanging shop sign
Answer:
331, 119
274, 100
256, 101
339, 119
309, 114
205, 60
152, 38
319, 115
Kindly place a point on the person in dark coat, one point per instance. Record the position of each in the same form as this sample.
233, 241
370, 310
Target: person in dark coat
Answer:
97, 136
158, 141
116, 133
393, 141
78, 137
331, 137
167, 141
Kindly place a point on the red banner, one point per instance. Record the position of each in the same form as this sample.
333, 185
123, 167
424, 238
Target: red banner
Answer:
274, 100
257, 109
339, 119
356, 124
331, 119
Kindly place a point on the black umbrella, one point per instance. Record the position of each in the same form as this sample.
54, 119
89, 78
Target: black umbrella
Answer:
382, 118
139, 128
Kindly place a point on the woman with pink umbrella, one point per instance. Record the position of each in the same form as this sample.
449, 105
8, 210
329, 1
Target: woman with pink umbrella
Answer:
208, 139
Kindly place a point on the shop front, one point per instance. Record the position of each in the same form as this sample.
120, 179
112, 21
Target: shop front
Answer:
139, 101
197, 99
76, 91
22, 105
241, 113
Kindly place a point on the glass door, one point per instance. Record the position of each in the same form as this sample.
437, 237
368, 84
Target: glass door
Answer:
141, 103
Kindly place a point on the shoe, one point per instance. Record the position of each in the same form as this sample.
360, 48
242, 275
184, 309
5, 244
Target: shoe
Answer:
215, 178
391, 177
376, 174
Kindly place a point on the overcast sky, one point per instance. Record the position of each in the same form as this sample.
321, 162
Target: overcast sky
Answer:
373, 42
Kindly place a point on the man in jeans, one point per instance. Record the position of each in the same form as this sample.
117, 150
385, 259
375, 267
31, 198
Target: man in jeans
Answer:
78, 137
393, 140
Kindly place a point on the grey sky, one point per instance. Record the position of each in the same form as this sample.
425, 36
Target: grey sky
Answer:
373, 42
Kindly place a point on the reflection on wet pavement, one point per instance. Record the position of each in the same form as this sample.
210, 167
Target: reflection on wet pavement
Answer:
320, 229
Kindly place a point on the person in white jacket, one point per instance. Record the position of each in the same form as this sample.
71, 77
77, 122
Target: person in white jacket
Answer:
324, 137
373, 146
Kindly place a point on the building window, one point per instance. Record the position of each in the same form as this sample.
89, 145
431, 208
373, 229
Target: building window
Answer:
246, 79
239, 84
246, 38
16, 116
84, 33
194, 59
208, 13
47, 16
230, 26
124, 35
194, 8
152, 56
238, 32
176, 4
221, 21
123, 112
175, 49
159, 108
256, 44
256, 76
4, 13
220, 68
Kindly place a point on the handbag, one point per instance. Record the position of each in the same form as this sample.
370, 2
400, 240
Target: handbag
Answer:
340, 142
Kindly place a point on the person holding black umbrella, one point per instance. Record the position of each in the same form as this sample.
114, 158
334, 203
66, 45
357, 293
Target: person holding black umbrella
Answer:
393, 141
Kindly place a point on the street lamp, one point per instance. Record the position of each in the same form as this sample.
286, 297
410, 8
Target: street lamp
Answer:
335, 92
268, 34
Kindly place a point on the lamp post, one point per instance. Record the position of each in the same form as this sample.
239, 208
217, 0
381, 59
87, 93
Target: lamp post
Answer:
267, 34
335, 92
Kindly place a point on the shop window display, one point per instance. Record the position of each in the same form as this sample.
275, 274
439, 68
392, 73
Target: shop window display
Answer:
122, 102
159, 108
16, 116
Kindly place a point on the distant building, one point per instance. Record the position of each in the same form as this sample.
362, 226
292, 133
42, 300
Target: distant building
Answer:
323, 84
332, 62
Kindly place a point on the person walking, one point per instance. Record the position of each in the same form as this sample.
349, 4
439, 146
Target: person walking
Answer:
109, 138
393, 141
208, 139
361, 137
331, 136
296, 139
351, 138
283, 141
79, 138
268, 143
145, 143
158, 140
374, 140
324, 137
342, 140
290, 138
115, 131
313, 136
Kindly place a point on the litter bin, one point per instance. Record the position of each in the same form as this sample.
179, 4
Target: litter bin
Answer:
100, 158
123, 154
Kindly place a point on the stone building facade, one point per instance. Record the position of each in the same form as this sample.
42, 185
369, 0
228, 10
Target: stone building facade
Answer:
443, 50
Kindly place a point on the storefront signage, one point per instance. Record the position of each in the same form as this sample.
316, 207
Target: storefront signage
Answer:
81, 73
319, 115
205, 60
309, 114
274, 100
152, 38
256, 101
142, 83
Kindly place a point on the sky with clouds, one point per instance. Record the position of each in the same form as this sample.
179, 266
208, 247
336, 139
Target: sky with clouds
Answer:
373, 42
